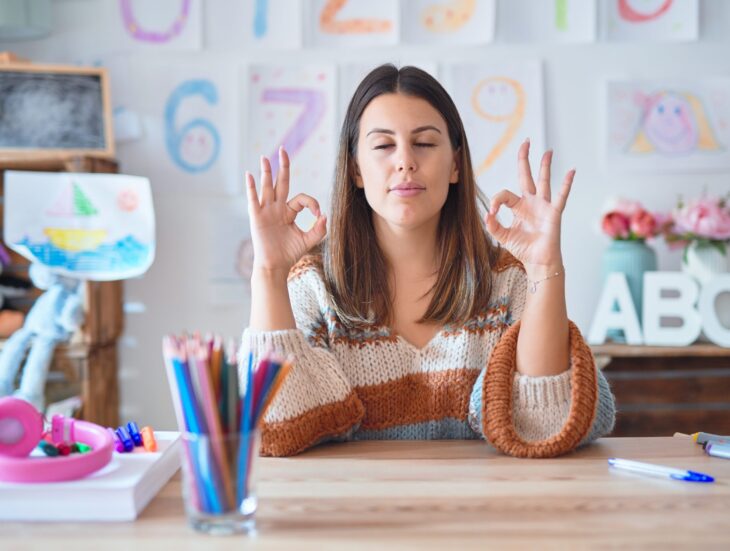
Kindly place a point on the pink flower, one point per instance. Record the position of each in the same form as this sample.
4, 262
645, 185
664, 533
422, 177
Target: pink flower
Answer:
705, 218
627, 207
643, 224
615, 225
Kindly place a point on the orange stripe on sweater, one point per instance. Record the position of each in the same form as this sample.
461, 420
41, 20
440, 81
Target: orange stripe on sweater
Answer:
497, 419
417, 398
294, 435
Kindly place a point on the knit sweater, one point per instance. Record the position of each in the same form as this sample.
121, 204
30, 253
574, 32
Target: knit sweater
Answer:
370, 383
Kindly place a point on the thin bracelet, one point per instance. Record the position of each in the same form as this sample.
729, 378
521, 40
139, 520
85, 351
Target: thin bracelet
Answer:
532, 284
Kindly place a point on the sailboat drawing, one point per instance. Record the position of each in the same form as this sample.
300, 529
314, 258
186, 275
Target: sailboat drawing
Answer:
72, 203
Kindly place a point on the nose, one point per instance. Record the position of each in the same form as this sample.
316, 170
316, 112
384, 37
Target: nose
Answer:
406, 164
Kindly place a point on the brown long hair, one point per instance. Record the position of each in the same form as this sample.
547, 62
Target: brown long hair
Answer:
355, 269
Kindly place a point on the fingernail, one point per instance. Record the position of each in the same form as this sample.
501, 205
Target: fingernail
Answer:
527, 140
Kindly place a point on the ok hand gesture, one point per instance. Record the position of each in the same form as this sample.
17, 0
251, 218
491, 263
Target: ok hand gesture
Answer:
534, 236
277, 241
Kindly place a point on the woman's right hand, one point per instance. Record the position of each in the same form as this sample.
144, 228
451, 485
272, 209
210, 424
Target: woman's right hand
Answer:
277, 241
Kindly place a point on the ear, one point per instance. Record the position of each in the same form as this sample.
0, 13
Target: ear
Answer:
357, 176
454, 177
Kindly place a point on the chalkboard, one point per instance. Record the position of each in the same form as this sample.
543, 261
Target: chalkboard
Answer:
54, 111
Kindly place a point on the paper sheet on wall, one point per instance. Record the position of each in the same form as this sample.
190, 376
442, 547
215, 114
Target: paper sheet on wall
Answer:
137, 25
241, 26
273, 24
294, 107
189, 117
89, 226
231, 255
351, 23
448, 22
650, 20
501, 105
549, 21
351, 75
668, 126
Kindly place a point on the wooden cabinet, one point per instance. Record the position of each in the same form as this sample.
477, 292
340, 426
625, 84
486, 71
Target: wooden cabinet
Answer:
663, 390
87, 365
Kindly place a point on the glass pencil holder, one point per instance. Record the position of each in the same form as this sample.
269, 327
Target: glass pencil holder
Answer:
219, 481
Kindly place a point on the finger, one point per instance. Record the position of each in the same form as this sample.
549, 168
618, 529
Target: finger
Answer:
504, 197
267, 186
253, 199
565, 190
495, 228
527, 184
543, 182
282, 178
316, 233
301, 201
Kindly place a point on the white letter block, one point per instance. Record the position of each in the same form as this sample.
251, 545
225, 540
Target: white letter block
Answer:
714, 330
616, 289
656, 306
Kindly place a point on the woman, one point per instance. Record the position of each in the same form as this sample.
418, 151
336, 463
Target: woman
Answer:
407, 322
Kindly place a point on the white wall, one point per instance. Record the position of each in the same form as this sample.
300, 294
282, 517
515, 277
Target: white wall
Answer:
174, 291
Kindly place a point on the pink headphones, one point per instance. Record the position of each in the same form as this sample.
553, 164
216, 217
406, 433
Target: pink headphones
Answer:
21, 428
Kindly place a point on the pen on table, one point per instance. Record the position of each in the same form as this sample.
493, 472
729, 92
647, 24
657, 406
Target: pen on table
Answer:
659, 470
703, 437
718, 450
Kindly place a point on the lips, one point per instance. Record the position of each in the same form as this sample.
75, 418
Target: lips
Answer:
408, 186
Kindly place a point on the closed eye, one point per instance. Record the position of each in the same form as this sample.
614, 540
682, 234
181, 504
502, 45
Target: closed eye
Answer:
420, 144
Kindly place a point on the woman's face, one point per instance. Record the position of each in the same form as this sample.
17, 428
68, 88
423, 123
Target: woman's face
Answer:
405, 160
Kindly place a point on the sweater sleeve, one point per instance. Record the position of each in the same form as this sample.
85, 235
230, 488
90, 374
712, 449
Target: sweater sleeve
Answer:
547, 416
316, 401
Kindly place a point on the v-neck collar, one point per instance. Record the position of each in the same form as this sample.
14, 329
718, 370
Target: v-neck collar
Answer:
412, 346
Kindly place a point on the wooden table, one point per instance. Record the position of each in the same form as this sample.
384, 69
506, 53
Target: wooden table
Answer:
664, 389
443, 495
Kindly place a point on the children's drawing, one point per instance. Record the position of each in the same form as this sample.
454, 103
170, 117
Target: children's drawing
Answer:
293, 107
353, 22
500, 101
273, 25
86, 226
650, 20
188, 122
667, 126
314, 106
195, 146
162, 24
136, 30
260, 18
452, 22
548, 21
500, 105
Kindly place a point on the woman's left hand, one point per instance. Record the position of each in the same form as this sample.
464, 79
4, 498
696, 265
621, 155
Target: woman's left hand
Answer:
534, 236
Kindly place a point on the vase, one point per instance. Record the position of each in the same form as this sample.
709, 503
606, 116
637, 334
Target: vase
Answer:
703, 262
631, 258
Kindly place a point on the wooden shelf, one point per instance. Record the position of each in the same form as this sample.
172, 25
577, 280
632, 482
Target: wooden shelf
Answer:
665, 389
617, 350
87, 365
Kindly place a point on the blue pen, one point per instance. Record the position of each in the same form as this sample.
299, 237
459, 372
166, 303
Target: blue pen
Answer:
659, 470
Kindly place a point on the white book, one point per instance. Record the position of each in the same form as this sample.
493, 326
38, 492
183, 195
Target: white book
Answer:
118, 492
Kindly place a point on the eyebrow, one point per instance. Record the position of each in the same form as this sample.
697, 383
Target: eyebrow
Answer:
414, 131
